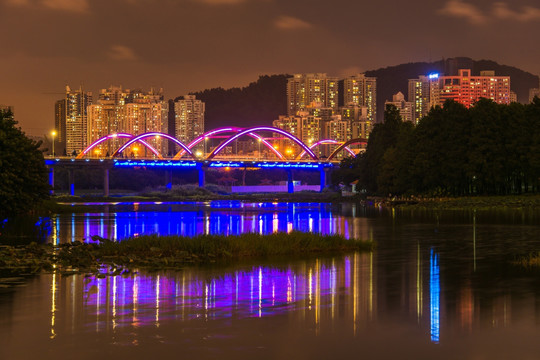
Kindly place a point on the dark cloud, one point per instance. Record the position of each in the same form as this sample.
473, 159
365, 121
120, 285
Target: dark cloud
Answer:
496, 11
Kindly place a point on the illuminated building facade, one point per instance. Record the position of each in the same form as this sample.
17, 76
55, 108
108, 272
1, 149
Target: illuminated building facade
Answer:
424, 94
74, 115
135, 112
188, 118
406, 108
306, 89
304, 126
361, 90
357, 121
467, 89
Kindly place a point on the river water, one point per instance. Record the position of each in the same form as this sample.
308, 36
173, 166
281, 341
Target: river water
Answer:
440, 284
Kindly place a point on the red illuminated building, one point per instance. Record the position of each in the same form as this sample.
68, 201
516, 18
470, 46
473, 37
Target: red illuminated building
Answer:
467, 89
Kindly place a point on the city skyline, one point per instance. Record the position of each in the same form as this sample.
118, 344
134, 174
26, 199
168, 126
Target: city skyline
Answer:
191, 45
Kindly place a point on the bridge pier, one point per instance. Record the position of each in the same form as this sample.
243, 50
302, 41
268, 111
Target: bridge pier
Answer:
202, 174
322, 172
290, 183
71, 181
51, 179
168, 179
106, 182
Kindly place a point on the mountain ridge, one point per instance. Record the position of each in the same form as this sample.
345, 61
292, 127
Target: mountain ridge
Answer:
262, 101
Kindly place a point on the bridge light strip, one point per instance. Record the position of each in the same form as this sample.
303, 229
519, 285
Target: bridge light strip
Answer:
221, 164
268, 165
158, 163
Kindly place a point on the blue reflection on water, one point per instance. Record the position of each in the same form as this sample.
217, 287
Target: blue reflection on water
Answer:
213, 218
434, 296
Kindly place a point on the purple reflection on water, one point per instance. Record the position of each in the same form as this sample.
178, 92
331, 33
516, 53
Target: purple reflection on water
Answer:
260, 291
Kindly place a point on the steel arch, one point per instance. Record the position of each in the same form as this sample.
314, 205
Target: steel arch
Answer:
345, 144
327, 141
151, 134
225, 130
113, 136
262, 128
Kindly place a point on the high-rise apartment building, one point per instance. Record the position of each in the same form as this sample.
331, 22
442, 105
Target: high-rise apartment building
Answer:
337, 129
361, 90
135, 112
305, 89
358, 124
406, 108
306, 127
188, 118
71, 113
424, 94
468, 89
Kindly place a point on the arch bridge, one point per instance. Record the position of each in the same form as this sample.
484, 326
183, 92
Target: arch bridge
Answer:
187, 158
230, 136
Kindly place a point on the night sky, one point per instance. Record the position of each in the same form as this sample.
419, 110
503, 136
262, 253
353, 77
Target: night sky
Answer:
190, 45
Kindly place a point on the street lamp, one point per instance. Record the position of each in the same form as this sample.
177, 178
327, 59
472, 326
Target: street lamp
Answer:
53, 134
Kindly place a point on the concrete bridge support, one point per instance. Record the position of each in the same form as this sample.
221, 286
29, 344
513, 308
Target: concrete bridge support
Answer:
290, 184
106, 182
51, 179
323, 172
202, 174
71, 181
168, 179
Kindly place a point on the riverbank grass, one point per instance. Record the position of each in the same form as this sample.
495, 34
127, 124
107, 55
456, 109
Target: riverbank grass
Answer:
153, 252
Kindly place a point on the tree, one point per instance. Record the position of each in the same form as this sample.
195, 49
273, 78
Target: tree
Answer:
23, 175
383, 137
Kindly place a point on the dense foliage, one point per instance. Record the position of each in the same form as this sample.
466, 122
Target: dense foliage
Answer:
487, 149
23, 175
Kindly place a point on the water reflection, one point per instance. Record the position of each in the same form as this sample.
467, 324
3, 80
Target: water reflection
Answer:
316, 292
439, 279
216, 217
319, 294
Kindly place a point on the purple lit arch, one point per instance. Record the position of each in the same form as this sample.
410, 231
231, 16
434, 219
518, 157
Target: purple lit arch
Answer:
345, 144
152, 134
327, 141
262, 128
227, 130
114, 136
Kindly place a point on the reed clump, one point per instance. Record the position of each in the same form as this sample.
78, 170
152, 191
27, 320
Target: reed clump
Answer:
154, 252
